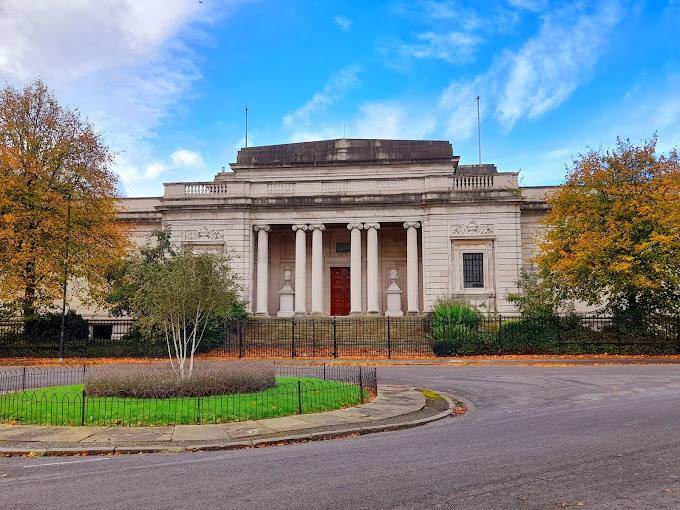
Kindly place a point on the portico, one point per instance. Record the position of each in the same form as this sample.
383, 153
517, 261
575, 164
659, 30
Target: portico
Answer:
350, 264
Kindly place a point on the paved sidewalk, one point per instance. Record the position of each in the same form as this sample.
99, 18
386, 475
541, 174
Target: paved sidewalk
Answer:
395, 407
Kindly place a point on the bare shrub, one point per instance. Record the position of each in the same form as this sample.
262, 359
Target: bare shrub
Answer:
158, 380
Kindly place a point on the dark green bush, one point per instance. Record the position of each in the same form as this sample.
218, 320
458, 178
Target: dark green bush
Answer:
529, 336
455, 330
47, 328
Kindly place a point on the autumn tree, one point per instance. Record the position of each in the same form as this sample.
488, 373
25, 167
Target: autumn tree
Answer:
613, 236
51, 161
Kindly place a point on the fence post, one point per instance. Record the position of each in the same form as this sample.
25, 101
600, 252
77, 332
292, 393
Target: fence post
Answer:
84, 368
361, 386
324, 370
389, 340
299, 397
23, 380
335, 339
498, 336
239, 327
82, 410
559, 335
198, 410
292, 340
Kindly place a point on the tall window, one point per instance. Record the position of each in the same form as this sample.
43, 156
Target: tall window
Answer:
473, 270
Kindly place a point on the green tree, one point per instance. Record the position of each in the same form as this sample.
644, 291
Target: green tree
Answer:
536, 296
52, 162
124, 276
182, 295
613, 236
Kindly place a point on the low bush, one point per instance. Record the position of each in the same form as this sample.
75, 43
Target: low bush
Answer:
47, 328
455, 329
158, 380
529, 336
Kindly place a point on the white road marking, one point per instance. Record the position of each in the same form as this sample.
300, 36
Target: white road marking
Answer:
68, 462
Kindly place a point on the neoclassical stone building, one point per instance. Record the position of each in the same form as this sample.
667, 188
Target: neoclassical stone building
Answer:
352, 226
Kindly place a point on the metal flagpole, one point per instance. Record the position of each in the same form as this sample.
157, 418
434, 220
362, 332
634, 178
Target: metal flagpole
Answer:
479, 133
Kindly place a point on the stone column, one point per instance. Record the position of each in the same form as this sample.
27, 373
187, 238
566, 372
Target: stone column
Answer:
262, 269
317, 268
413, 306
300, 269
372, 277
355, 268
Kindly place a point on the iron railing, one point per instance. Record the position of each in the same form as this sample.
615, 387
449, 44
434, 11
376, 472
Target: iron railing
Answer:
365, 337
47, 396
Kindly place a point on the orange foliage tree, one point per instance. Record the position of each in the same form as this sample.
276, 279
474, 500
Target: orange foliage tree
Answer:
614, 231
52, 161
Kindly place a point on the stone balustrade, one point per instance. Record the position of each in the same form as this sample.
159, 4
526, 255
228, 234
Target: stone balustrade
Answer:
239, 188
205, 188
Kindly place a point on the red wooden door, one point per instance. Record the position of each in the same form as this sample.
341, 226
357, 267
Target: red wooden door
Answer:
340, 294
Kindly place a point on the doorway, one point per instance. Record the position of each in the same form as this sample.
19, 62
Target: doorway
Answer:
340, 291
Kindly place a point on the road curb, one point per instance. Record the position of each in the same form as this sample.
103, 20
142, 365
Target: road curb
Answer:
284, 439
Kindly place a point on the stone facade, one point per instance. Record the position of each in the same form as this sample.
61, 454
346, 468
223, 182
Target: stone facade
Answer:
329, 227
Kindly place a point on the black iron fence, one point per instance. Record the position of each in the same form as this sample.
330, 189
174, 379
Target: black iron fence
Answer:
368, 337
56, 396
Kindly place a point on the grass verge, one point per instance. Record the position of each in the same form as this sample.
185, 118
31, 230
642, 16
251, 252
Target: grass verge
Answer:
63, 405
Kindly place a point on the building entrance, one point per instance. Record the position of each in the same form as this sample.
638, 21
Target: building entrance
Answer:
340, 292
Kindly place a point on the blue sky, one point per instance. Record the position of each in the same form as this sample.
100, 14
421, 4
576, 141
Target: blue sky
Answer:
167, 81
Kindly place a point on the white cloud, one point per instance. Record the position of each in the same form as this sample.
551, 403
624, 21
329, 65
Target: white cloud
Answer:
392, 120
540, 75
66, 41
318, 133
184, 158
550, 66
335, 88
144, 178
459, 102
530, 5
668, 113
343, 22
123, 63
453, 47
373, 120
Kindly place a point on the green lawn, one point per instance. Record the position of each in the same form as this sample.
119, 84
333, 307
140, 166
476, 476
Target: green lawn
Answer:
63, 405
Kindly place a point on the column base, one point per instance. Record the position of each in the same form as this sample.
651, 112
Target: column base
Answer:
412, 312
261, 314
394, 313
300, 314
317, 314
285, 314
356, 313
374, 312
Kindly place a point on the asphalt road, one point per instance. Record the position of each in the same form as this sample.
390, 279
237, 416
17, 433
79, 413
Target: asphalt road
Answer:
534, 437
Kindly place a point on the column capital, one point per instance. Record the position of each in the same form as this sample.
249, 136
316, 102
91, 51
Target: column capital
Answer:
372, 225
317, 226
352, 226
266, 228
411, 224
300, 227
